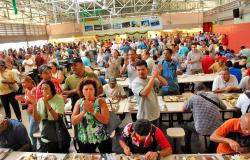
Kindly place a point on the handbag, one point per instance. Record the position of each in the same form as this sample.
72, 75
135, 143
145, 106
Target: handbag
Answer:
114, 121
56, 131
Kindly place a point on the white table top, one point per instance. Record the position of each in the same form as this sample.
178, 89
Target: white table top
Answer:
196, 78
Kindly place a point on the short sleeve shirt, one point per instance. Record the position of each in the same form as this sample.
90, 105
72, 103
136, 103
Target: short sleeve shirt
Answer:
148, 107
159, 137
243, 102
57, 103
73, 80
231, 125
244, 83
220, 83
206, 115
15, 136
109, 92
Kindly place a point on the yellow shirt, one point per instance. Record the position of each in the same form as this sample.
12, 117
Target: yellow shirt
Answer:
216, 67
5, 88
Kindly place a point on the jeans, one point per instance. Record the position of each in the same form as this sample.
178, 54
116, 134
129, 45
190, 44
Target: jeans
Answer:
33, 127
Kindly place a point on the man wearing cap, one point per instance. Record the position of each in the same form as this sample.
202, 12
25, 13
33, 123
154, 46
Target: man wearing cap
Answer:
114, 90
72, 81
46, 74
13, 135
7, 91
144, 138
205, 108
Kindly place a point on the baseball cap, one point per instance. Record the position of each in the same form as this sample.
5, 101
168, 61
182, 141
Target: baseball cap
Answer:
112, 80
43, 68
76, 60
1, 118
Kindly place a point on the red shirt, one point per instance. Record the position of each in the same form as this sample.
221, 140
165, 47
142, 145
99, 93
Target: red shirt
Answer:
206, 62
159, 137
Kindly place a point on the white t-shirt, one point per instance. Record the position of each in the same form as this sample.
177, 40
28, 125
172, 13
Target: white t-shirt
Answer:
244, 83
243, 102
148, 107
110, 92
220, 83
27, 68
150, 63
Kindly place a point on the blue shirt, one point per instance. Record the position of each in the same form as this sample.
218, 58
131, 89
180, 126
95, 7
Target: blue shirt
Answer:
15, 136
236, 72
169, 73
86, 61
183, 51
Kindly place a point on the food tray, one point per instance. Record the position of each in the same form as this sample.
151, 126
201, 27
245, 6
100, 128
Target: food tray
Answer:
41, 156
237, 157
174, 98
4, 153
228, 96
122, 157
77, 156
196, 157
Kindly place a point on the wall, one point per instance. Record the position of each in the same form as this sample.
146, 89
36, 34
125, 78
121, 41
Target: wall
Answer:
64, 30
182, 20
237, 34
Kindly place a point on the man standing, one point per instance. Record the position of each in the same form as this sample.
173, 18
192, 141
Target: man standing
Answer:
150, 62
205, 108
194, 58
169, 69
144, 90
13, 135
225, 83
234, 125
129, 66
73, 80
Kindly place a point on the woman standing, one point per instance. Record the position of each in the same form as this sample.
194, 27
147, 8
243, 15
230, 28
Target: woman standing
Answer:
29, 88
49, 108
113, 66
90, 115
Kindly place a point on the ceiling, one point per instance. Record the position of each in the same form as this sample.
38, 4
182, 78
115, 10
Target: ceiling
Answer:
61, 11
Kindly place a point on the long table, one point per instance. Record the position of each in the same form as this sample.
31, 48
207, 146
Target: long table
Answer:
172, 108
182, 79
14, 155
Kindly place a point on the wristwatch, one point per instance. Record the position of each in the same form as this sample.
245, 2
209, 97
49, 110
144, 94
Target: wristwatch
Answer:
158, 154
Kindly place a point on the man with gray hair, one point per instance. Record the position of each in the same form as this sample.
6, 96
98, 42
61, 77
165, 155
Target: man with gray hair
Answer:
206, 115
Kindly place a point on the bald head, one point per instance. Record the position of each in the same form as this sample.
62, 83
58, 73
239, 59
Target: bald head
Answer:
245, 123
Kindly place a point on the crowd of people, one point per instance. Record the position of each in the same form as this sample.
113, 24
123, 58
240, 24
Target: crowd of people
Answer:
42, 79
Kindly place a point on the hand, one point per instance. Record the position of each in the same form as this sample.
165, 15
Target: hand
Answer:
30, 97
127, 151
190, 62
228, 88
20, 98
46, 98
151, 155
234, 145
155, 72
89, 106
